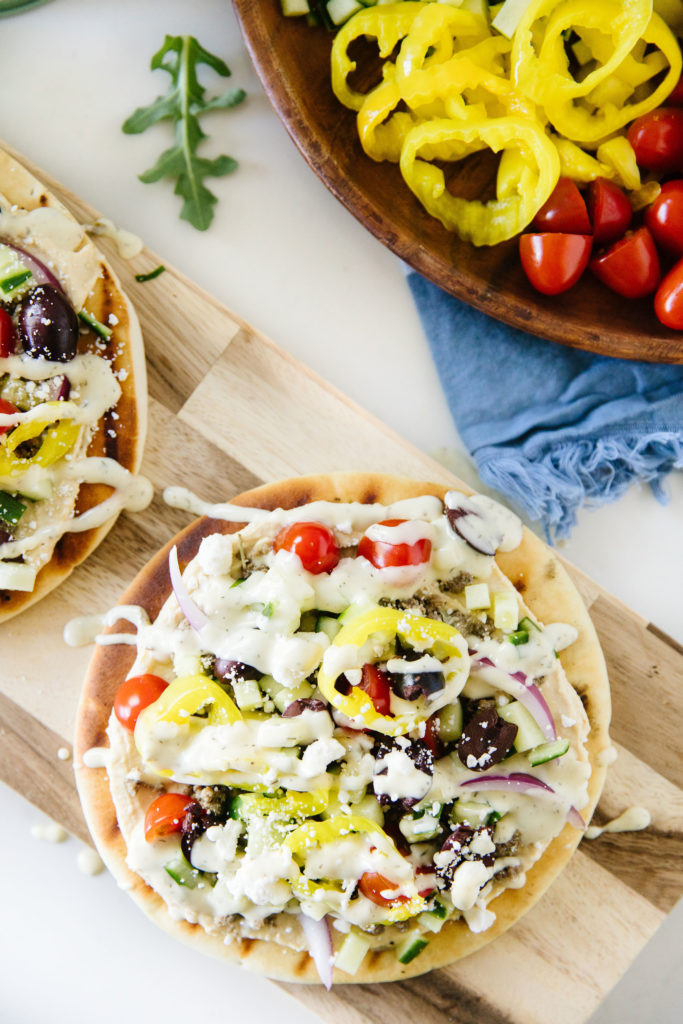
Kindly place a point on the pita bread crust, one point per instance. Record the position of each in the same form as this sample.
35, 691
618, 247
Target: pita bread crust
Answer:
85, 275
548, 591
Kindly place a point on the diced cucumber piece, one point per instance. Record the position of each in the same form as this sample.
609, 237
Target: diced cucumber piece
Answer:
509, 16
248, 696
293, 8
470, 812
417, 830
182, 872
450, 722
351, 953
15, 276
351, 612
11, 509
35, 483
328, 625
188, 665
308, 622
341, 10
95, 325
411, 947
433, 920
520, 636
287, 695
548, 751
369, 807
505, 612
477, 596
529, 625
529, 733
17, 576
438, 910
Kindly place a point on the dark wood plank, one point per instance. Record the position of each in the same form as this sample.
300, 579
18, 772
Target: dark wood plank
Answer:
292, 61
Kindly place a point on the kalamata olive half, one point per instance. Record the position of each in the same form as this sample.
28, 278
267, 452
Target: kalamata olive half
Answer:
411, 685
486, 740
235, 671
48, 326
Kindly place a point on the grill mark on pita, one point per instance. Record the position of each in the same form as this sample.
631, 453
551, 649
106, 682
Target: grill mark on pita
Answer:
111, 437
42, 199
456, 1001
519, 585
301, 965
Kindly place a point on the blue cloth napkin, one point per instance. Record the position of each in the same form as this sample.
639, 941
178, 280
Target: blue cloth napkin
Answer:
552, 428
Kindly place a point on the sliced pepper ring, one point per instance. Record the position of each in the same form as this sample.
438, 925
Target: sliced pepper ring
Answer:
423, 634
187, 695
500, 218
58, 441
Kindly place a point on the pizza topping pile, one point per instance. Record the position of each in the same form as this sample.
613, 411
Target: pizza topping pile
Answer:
346, 712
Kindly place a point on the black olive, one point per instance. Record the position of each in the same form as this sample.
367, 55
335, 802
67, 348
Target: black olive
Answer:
48, 326
486, 740
411, 685
234, 671
297, 707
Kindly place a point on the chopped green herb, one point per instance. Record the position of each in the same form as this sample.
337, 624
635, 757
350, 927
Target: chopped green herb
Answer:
141, 278
11, 509
236, 583
520, 636
101, 329
267, 609
183, 104
493, 817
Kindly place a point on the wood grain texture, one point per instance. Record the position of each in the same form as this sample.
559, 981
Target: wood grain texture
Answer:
292, 61
245, 415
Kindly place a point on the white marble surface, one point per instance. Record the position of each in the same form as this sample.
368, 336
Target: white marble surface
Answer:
288, 258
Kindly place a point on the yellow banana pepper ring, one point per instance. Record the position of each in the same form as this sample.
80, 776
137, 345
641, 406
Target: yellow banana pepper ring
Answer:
187, 695
291, 805
58, 441
475, 221
382, 135
421, 633
539, 60
387, 24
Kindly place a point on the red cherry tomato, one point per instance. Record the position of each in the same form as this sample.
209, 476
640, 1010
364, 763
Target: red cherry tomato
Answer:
554, 262
630, 267
6, 334
432, 738
669, 298
165, 815
372, 885
378, 688
313, 543
136, 694
657, 140
665, 217
382, 554
6, 407
675, 97
610, 211
565, 210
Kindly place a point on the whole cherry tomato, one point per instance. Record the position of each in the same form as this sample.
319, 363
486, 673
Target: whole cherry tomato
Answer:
372, 885
6, 407
565, 210
165, 815
665, 217
630, 267
610, 211
136, 694
6, 334
657, 140
314, 544
383, 554
669, 298
376, 684
554, 262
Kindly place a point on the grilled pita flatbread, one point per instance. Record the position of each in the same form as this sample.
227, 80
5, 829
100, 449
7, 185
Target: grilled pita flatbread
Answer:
546, 588
42, 226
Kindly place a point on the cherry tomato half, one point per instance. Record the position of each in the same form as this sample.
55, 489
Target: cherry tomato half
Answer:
657, 140
610, 211
665, 217
376, 684
554, 262
6, 334
669, 298
432, 737
6, 407
564, 210
165, 815
372, 885
136, 694
383, 554
314, 544
630, 267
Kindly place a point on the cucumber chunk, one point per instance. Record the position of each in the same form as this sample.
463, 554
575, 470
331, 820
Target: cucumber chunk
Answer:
470, 813
182, 872
548, 751
15, 276
328, 625
529, 733
450, 722
411, 947
351, 953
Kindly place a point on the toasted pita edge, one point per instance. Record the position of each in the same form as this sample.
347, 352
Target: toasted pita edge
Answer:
549, 592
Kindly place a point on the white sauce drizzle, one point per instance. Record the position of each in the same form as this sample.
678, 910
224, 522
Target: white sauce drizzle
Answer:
89, 862
50, 832
96, 757
633, 819
127, 244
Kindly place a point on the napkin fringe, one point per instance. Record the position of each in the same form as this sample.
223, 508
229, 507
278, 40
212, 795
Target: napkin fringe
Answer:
552, 487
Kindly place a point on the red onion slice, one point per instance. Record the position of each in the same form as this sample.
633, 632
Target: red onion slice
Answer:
41, 275
522, 783
530, 696
319, 940
59, 388
194, 615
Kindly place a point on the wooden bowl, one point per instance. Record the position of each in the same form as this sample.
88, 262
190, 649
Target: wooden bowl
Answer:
292, 61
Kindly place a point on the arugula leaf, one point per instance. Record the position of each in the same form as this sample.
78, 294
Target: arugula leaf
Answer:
183, 104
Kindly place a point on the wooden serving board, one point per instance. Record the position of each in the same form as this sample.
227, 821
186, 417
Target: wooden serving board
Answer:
228, 410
